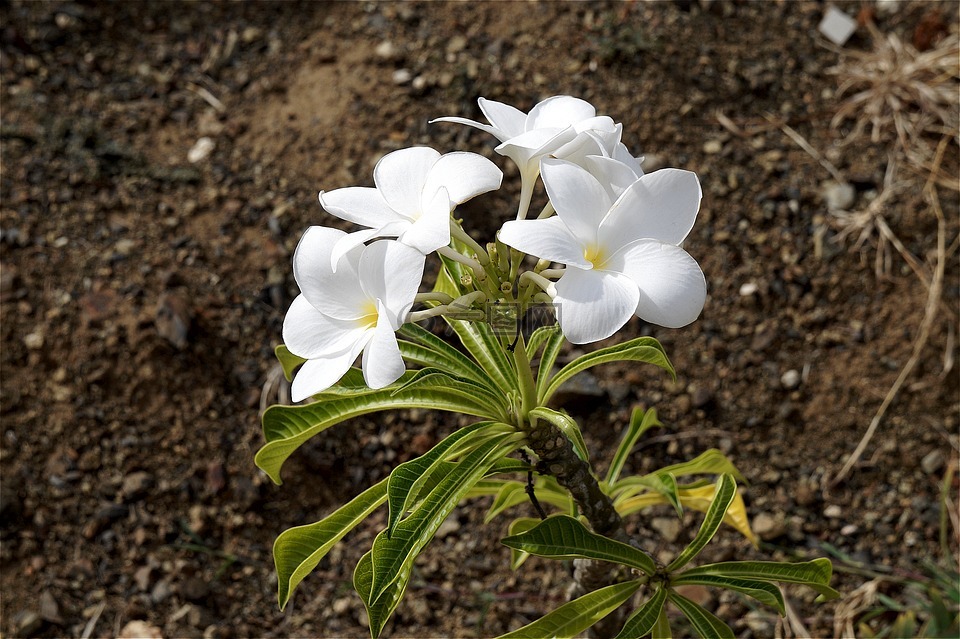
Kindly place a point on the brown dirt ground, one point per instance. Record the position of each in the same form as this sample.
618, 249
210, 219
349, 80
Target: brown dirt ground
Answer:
142, 296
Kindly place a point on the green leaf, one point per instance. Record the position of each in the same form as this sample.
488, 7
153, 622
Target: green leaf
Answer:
297, 551
563, 537
815, 574
663, 483
710, 462
545, 368
641, 622
576, 616
408, 479
540, 337
704, 623
428, 378
287, 427
288, 361
567, 425
393, 555
509, 495
518, 526
661, 630
640, 422
722, 498
765, 593
642, 349
427, 349
379, 611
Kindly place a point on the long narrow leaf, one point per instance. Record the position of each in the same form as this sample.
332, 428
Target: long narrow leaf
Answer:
815, 574
764, 592
574, 617
641, 622
725, 492
567, 425
563, 537
379, 611
640, 422
288, 361
426, 349
545, 368
704, 623
393, 555
297, 551
642, 349
539, 338
287, 427
407, 479
518, 526
661, 629
431, 378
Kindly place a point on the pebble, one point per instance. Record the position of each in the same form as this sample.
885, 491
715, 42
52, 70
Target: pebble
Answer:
748, 289
838, 197
713, 146
201, 150
139, 629
700, 595
669, 527
769, 526
49, 608
790, 379
402, 76
26, 623
761, 623
700, 396
448, 527
652, 162
33, 341
135, 485
932, 462
386, 50
832, 511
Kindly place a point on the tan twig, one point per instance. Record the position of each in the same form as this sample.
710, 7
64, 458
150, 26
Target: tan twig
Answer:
803, 144
930, 312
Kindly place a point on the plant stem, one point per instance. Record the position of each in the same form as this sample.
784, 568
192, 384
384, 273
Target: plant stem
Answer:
528, 385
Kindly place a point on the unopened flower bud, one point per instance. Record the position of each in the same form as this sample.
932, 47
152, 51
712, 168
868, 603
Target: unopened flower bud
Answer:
466, 279
506, 287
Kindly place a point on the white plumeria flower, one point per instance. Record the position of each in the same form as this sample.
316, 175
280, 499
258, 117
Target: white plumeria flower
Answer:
416, 189
561, 126
623, 257
356, 308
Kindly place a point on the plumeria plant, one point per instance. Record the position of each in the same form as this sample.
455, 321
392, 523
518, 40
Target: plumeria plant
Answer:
607, 246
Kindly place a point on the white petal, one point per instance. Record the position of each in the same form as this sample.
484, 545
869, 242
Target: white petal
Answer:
621, 154
432, 229
310, 334
559, 111
549, 239
463, 175
352, 240
577, 196
492, 130
317, 375
391, 272
661, 205
527, 148
672, 287
613, 175
400, 177
337, 293
382, 362
507, 119
358, 204
593, 305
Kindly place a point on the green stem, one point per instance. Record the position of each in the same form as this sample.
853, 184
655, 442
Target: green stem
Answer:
528, 385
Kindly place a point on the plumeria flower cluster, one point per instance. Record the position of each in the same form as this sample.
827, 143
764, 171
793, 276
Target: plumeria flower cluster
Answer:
609, 242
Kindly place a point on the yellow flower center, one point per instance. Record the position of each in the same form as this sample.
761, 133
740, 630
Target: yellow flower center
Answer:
370, 315
594, 255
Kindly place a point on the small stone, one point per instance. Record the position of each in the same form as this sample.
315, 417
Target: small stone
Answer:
700, 396
342, 605
456, 44
837, 26
932, 461
699, 595
125, 246
201, 150
748, 289
769, 526
139, 629
49, 608
33, 341
761, 623
448, 527
837, 197
135, 485
142, 577
173, 317
833, 511
805, 493
713, 147
402, 76
669, 527
791, 379
386, 50
849, 529
26, 623
652, 162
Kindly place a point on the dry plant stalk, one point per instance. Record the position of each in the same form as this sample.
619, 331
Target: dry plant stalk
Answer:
900, 91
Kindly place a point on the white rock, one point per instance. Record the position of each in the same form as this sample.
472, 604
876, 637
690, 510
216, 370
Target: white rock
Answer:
790, 379
838, 197
837, 26
748, 289
402, 76
201, 150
